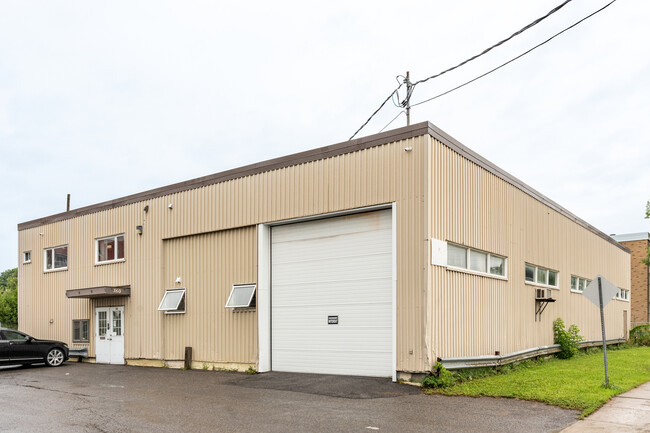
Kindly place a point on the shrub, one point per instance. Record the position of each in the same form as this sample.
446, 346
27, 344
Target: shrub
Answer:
567, 339
440, 377
640, 335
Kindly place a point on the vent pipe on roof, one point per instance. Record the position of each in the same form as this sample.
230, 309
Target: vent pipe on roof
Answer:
67, 207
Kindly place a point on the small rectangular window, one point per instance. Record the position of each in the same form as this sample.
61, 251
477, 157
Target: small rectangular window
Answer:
241, 296
457, 256
574, 283
543, 276
56, 258
478, 261
27, 257
497, 265
109, 249
475, 260
530, 273
173, 301
80, 331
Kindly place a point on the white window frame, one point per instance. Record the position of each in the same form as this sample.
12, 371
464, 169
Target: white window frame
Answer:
114, 239
182, 300
545, 284
488, 255
25, 260
54, 269
250, 299
578, 279
621, 297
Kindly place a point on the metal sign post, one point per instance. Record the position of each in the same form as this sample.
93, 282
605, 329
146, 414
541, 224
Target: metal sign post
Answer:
602, 327
600, 292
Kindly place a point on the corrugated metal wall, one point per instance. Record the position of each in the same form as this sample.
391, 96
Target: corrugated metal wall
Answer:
377, 175
208, 266
208, 238
475, 315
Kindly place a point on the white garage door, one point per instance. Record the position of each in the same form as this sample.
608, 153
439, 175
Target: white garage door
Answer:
331, 295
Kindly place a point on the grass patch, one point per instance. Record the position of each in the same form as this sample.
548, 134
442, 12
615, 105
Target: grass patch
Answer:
574, 383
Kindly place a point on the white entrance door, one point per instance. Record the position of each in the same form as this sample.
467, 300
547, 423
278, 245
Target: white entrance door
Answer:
331, 295
109, 335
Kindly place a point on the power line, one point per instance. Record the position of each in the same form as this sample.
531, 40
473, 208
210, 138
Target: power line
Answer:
411, 86
487, 50
376, 111
515, 58
394, 119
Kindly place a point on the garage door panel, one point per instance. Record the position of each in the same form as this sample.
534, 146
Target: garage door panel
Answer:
368, 242
335, 267
334, 292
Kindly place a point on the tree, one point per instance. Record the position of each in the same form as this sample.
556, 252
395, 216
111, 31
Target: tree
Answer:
9, 297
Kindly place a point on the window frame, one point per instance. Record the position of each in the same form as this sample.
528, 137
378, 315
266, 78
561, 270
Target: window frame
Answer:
247, 306
181, 302
114, 238
578, 279
621, 298
55, 269
81, 339
29, 260
468, 263
536, 274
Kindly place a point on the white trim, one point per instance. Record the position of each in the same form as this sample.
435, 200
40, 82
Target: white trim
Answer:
45, 250
264, 296
548, 270
114, 237
394, 253
250, 298
545, 286
477, 273
264, 287
175, 309
488, 256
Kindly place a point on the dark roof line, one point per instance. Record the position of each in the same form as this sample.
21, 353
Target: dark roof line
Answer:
403, 133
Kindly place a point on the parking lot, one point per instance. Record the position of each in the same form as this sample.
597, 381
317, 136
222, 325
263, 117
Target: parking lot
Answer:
107, 398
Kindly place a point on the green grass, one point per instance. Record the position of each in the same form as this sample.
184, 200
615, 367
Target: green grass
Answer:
574, 383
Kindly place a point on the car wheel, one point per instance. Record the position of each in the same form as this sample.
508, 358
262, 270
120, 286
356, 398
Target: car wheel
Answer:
54, 357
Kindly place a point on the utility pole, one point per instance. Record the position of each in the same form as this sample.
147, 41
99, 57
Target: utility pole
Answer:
408, 98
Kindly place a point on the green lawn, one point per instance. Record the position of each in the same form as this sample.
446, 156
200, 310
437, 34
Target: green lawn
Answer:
574, 383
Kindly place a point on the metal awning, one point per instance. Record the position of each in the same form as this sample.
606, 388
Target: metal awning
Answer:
99, 292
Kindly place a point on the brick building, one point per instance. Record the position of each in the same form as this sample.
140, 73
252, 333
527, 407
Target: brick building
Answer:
638, 243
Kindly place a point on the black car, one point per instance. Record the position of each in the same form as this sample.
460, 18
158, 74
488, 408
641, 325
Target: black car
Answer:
19, 348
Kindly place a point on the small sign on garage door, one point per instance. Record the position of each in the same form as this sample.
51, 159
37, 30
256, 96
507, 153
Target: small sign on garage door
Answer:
332, 320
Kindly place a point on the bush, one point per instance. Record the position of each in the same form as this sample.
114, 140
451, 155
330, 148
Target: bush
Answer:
640, 335
440, 377
567, 339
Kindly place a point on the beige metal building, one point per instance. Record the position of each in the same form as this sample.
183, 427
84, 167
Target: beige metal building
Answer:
374, 257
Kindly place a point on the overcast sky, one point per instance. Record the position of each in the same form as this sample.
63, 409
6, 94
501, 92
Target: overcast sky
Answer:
105, 99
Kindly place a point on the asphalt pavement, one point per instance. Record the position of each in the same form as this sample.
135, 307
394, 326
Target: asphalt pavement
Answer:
107, 398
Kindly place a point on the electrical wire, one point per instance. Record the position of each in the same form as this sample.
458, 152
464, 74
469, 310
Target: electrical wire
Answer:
376, 111
487, 50
515, 58
411, 87
394, 119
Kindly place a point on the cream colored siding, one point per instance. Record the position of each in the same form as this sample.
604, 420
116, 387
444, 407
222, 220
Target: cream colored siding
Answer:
377, 175
476, 315
208, 266
209, 239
